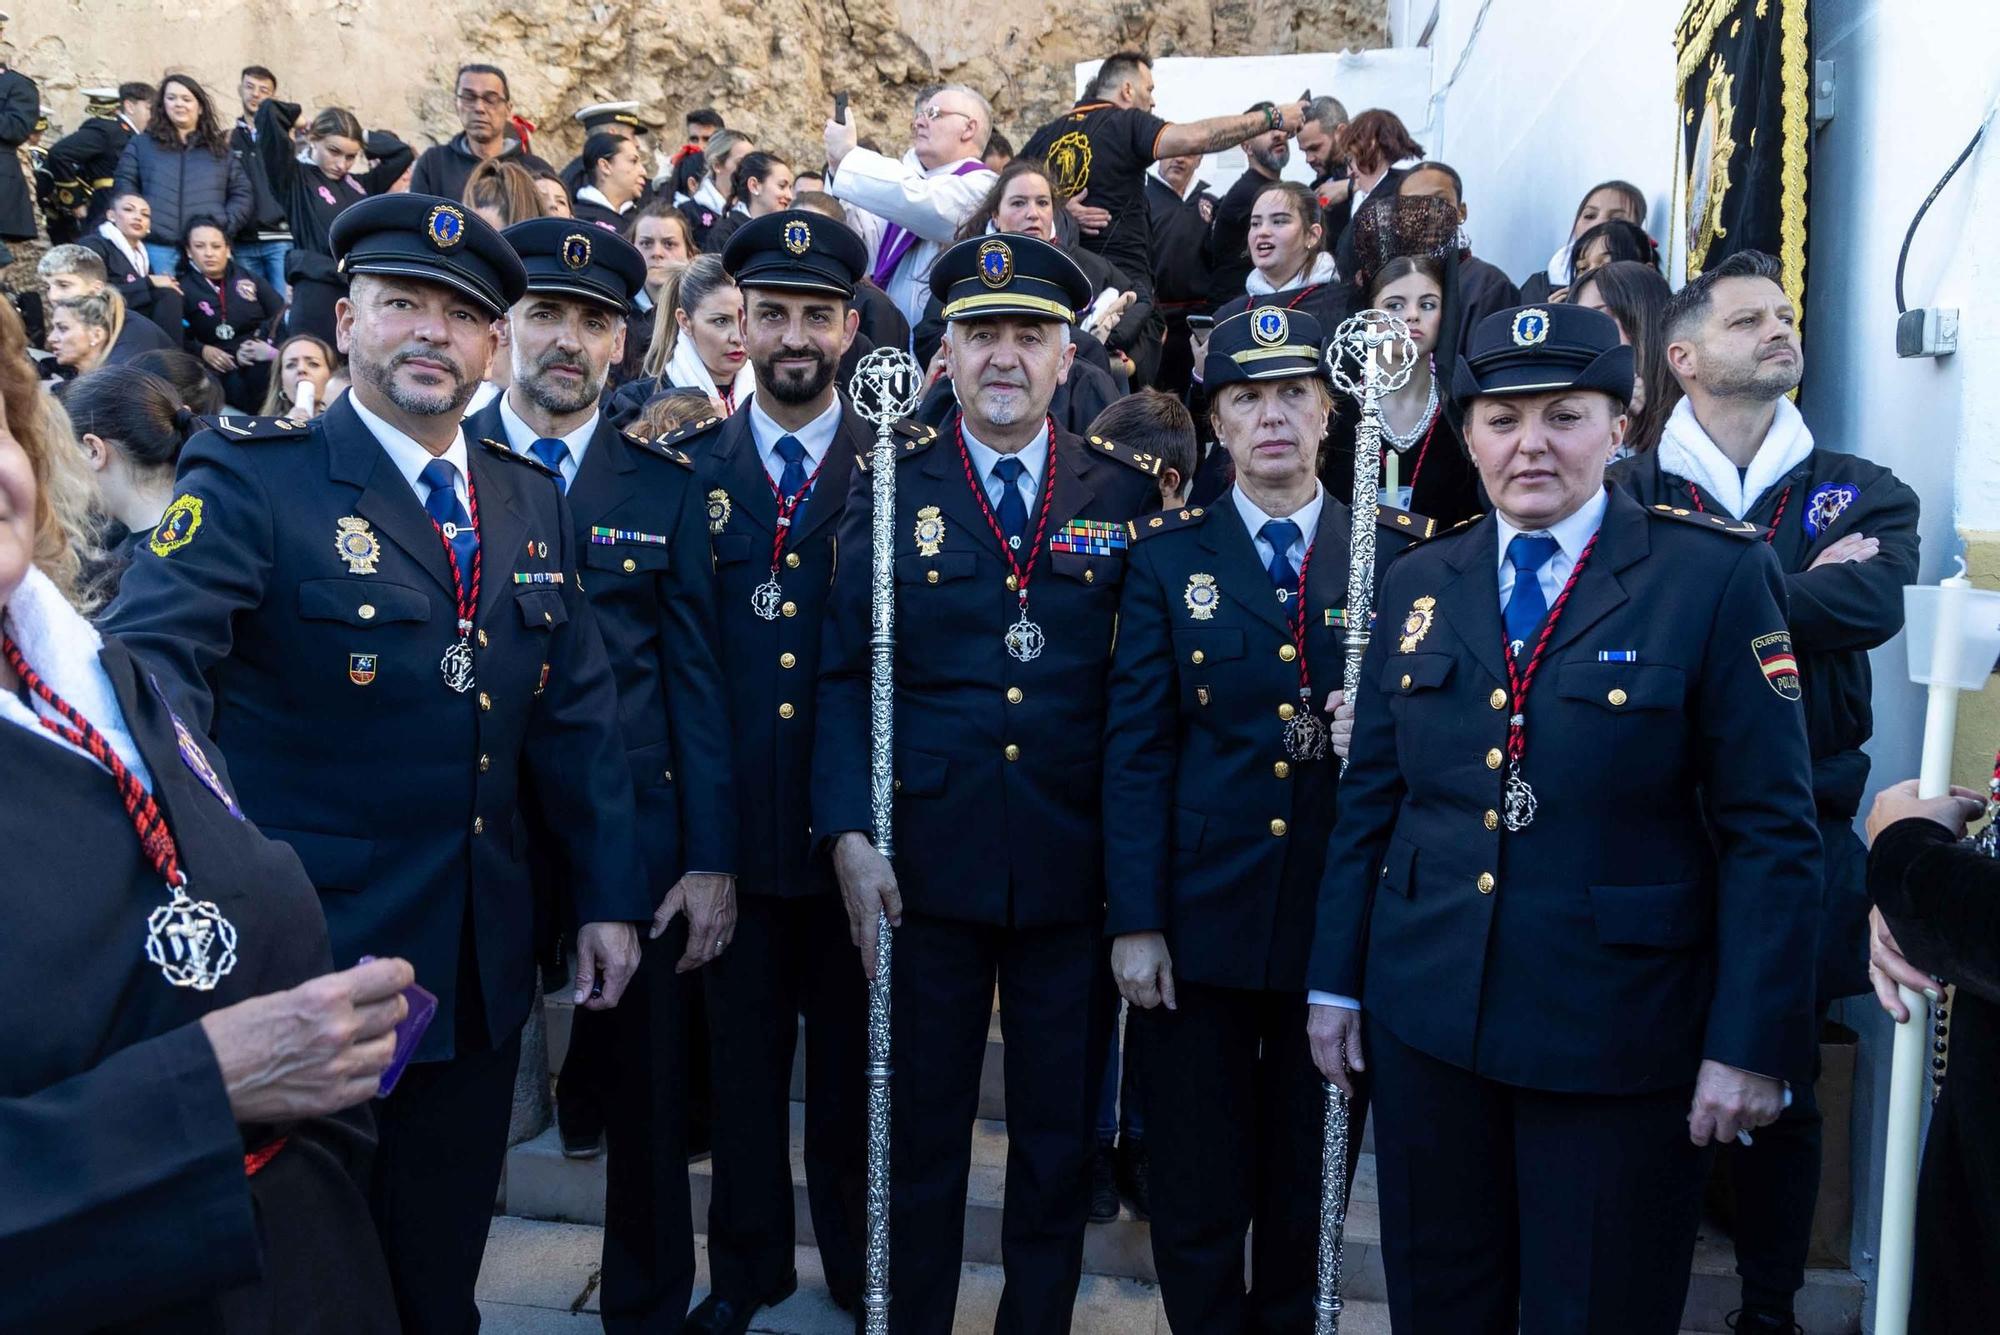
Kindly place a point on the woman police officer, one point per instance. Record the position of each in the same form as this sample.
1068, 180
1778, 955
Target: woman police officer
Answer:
1229, 637
1574, 874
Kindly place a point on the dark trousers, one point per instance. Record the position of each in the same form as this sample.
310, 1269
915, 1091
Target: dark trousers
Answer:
1777, 1188
1234, 1118
789, 957
648, 1231
1508, 1209
442, 1140
944, 977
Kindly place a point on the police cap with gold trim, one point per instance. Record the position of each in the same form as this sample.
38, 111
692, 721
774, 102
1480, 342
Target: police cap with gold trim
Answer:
796, 251
566, 258
603, 115
1264, 343
1009, 274
431, 240
1543, 349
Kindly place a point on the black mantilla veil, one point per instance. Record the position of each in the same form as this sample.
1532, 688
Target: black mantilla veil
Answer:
1446, 488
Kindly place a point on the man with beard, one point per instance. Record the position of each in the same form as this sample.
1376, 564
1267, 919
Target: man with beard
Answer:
1228, 250
637, 517
1319, 141
775, 477
1845, 532
1010, 550
382, 628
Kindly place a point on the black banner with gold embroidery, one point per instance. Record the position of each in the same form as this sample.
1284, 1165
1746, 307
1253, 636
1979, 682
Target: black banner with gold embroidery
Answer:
1746, 127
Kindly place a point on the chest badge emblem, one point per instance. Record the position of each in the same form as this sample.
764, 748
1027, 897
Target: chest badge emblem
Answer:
357, 545
930, 531
1417, 624
1201, 595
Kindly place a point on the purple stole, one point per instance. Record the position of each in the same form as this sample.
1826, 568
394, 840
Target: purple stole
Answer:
898, 241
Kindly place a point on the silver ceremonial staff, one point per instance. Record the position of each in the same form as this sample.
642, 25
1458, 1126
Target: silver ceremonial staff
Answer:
885, 389
1356, 358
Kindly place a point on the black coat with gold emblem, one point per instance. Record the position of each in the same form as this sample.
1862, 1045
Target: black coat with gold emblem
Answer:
770, 667
315, 666
1213, 833
1660, 908
642, 556
998, 762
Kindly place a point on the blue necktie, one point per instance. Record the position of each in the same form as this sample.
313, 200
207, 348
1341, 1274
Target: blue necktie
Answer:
1012, 512
1281, 534
794, 475
1526, 606
552, 451
444, 507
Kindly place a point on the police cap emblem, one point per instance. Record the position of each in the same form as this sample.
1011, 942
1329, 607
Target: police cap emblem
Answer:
1531, 326
1270, 327
996, 262
445, 226
576, 250
798, 236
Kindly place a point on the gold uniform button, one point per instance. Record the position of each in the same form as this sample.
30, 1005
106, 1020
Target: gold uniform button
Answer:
1012, 752
1492, 819
485, 763
1278, 828
1286, 711
482, 639
479, 825
791, 560
1617, 696
788, 660
1014, 695
1013, 583
630, 565
667, 774
1493, 758
790, 609
1287, 653
930, 577
1197, 658
1485, 883
366, 611
1406, 681
1089, 575
1282, 769
1498, 699
485, 700
785, 710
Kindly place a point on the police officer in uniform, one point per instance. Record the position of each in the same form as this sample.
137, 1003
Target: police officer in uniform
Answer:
379, 623
83, 162
1574, 874
775, 477
623, 119
1844, 531
639, 530
1219, 787
1010, 551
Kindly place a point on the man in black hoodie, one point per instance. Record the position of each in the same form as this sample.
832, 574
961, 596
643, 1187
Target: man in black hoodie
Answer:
262, 244
485, 109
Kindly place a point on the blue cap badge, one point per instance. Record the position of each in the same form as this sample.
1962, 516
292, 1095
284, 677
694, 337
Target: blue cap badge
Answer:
576, 250
445, 226
798, 236
1270, 327
996, 263
1531, 326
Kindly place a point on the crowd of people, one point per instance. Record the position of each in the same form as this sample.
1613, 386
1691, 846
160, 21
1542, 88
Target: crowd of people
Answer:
421, 579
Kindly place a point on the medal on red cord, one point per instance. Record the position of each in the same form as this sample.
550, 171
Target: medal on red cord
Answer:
1024, 639
1305, 732
189, 939
1517, 802
768, 598
456, 665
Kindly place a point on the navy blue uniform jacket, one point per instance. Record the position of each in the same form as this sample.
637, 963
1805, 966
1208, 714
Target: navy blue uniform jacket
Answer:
642, 556
321, 684
1661, 907
998, 763
770, 667
1211, 833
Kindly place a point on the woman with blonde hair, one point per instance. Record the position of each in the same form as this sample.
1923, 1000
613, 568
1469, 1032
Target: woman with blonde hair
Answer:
697, 343
82, 330
303, 359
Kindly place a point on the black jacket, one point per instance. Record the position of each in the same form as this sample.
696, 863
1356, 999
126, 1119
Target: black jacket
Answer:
183, 183
443, 168
267, 211
20, 108
311, 201
1180, 236
84, 161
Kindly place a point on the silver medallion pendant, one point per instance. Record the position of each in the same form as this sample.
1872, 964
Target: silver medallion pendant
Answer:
225, 332
1025, 639
194, 945
1517, 804
765, 598
1305, 736
456, 665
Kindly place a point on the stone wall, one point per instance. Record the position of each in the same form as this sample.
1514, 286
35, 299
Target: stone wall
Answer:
770, 66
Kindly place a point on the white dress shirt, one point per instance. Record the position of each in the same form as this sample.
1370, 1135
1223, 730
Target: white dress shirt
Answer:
1572, 535
929, 203
1254, 519
520, 436
1034, 458
410, 457
62, 647
816, 437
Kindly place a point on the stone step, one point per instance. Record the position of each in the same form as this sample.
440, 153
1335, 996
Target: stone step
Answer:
542, 1184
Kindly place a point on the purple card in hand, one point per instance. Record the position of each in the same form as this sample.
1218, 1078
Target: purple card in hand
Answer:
409, 1031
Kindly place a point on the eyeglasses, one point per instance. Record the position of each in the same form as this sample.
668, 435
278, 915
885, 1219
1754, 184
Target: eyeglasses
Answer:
491, 101
939, 113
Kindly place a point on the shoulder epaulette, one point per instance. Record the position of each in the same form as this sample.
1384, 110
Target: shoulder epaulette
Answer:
1406, 521
660, 446
680, 437
1148, 464
917, 435
1742, 528
256, 428
495, 447
1152, 526
1437, 530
